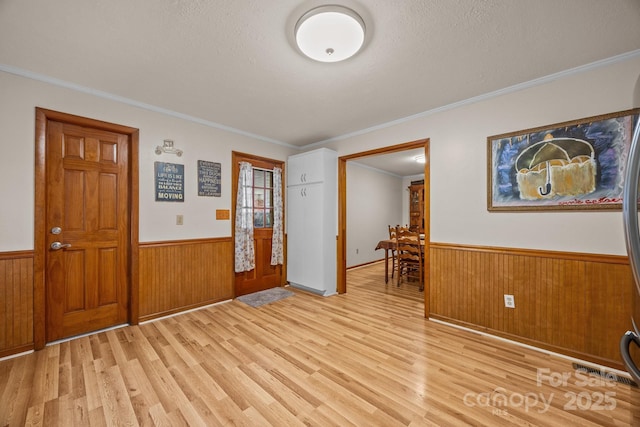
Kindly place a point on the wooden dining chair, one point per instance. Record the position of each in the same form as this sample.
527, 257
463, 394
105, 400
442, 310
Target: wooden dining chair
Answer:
392, 236
409, 256
394, 261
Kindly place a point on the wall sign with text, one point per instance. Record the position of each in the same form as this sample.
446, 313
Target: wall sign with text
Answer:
209, 178
169, 178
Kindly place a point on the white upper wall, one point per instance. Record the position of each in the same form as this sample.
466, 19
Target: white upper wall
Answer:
21, 95
458, 161
457, 155
374, 201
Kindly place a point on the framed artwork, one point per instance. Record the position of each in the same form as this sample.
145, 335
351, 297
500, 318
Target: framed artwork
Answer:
572, 165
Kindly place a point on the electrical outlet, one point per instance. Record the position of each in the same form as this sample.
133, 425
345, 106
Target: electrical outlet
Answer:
179, 220
509, 301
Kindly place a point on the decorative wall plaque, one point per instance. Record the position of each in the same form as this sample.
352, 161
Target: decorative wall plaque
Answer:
169, 182
209, 178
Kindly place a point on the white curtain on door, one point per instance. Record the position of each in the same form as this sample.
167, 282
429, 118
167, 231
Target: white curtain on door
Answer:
244, 251
277, 245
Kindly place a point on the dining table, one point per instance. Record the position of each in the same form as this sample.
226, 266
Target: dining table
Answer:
388, 245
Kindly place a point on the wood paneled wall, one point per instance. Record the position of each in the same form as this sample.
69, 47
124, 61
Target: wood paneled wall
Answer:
16, 302
179, 275
574, 304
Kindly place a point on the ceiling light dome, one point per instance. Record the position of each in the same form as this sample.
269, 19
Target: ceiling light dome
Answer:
330, 33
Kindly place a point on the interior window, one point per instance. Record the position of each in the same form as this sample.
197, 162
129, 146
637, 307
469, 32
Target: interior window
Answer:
262, 198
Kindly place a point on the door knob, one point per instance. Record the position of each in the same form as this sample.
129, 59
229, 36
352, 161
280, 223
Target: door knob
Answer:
57, 245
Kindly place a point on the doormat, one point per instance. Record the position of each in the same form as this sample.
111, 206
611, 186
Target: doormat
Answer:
267, 296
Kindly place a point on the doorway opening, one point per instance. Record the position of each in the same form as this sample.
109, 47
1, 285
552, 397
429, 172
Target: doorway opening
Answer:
342, 210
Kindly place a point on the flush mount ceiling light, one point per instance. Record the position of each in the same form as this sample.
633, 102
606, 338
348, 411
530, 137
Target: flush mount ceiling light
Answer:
420, 158
330, 33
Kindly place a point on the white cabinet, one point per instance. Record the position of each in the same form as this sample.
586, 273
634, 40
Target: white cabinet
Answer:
312, 212
310, 167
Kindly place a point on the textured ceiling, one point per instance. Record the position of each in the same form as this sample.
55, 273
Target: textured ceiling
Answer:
232, 63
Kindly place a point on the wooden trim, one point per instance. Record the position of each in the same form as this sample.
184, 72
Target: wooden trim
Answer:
237, 156
179, 310
42, 116
426, 215
389, 149
612, 363
577, 256
134, 224
86, 122
342, 208
172, 243
16, 255
341, 249
39, 306
15, 350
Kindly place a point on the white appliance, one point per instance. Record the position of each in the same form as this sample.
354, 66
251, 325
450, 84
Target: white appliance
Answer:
312, 220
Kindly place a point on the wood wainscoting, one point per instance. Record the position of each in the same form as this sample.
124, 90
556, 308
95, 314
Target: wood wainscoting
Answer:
574, 304
181, 275
16, 302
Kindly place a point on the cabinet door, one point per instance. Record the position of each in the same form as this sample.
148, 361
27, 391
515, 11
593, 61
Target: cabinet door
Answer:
304, 238
307, 168
314, 237
314, 168
295, 170
295, 234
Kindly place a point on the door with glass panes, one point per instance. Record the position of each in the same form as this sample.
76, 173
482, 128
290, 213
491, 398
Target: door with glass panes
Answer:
264, 275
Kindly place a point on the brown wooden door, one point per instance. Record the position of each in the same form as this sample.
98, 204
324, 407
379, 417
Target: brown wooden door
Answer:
264, 275
87, 209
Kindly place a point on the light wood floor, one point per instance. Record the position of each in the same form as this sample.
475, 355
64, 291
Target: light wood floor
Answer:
366, 358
